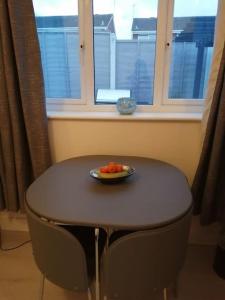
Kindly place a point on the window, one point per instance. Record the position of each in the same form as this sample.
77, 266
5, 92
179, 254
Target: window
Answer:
156, 51
191, 51
59, 42
124, 53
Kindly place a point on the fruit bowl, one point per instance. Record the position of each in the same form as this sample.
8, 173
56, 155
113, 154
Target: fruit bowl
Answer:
112, 174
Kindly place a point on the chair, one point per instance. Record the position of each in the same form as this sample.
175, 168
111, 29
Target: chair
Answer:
58, 255
141, 263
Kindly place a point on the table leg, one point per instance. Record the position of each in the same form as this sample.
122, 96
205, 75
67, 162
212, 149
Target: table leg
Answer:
89, 295
164, 294
41, 290
97, 290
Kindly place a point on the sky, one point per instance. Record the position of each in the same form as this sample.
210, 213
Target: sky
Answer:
125, 10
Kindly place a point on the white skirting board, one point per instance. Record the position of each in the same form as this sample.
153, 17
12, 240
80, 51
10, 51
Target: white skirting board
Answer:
15, 221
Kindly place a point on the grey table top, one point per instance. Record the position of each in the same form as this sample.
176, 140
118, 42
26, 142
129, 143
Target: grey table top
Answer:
156, 195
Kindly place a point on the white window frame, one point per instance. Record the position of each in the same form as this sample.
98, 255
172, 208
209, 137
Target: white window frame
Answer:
161, 103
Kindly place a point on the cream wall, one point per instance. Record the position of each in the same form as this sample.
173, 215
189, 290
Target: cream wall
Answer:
176, 142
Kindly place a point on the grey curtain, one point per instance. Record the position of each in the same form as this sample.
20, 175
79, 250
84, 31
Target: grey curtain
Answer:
209, 183
24, 147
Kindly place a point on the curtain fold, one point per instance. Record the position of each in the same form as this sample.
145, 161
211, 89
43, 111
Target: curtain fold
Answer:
24, 146
209, 183
219, 40
2, 202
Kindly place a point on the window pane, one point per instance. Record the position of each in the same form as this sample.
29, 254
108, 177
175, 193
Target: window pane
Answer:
192, 47
124, 49
58, 32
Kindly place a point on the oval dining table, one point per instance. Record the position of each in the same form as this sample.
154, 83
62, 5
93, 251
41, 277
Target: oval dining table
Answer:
157, 194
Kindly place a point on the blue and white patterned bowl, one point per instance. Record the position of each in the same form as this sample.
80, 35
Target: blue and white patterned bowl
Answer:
126, 106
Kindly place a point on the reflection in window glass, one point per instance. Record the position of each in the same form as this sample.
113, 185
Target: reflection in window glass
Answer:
58, 33
192, 46
124, 49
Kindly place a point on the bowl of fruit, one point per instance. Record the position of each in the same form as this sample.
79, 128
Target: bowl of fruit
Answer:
112, 172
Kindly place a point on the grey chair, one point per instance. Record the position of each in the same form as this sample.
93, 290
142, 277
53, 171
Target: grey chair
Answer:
58, 255
139, 264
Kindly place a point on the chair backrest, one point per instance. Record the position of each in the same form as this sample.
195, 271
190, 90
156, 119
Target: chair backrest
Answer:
58, 254
142, 262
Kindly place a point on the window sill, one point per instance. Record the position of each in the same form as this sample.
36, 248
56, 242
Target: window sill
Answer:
137, 116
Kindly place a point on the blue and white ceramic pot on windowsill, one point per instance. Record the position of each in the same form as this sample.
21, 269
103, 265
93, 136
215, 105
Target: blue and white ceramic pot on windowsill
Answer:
126, 106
